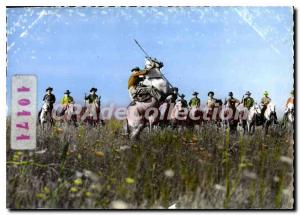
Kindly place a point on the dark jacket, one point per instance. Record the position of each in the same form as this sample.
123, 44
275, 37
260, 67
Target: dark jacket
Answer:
49, 98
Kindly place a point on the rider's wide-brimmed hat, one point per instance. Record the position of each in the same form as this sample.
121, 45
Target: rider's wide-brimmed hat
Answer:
195, 93
248, 93
49, 88
266, 93
67, 92
93, 89
182, 96
230, 93
211, 93
136, 69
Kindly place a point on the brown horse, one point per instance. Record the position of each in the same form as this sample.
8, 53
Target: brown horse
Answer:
91, 114
195, 117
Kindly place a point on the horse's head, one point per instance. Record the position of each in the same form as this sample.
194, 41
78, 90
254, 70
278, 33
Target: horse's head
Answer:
256, 108
46, 106
271, 107
290, 107
153, 63
155, 77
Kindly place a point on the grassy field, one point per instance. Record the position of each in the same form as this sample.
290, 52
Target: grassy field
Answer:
100, 168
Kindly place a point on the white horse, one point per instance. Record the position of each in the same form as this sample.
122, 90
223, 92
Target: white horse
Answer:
290, 113
289, 117
269, 116
137, 114
252, 117
45, 115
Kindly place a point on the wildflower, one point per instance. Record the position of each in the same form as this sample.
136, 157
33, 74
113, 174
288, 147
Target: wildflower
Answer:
99, 154
119, 204
78, 174
41, 196
88, 194
46, 190
91, 175
74, 190
59, 130
123, 148
19, 153
248, 174
276, 178
286, 160
41, 151
220, 187
129, 180
169, 173
78, 181
16, 157
194, 139
172, 206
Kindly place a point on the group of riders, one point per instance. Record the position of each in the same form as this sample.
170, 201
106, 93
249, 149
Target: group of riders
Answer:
137, 90
140, 93
67, 101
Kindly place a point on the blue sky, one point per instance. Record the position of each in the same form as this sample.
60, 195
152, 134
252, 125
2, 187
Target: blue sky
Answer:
203, 48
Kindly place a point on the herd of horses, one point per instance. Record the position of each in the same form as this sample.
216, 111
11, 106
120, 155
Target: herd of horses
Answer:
153, 113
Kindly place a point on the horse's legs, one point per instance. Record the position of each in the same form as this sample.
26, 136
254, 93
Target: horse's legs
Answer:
136, 132
266, 127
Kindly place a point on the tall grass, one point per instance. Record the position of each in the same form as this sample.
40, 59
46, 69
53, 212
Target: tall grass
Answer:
88, 167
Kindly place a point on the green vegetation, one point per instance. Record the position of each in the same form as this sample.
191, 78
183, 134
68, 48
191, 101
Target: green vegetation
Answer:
99, 168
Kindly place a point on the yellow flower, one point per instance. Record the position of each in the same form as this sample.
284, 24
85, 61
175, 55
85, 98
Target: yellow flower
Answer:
88, 194
19, 153
78, 181
16, 157
129, 180
46, 190
41, 196
73, 189
99, 153
59, 130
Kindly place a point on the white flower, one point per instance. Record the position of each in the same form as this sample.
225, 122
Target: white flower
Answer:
286, 160
169, 173
220, 187
248, 174
119, 204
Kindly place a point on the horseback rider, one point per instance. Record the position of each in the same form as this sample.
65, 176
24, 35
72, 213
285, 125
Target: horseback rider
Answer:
135, 78
182, 100
247, 100
290, 99
195, 101
50, 99
138, 91
65, 101
231, 102
211, 101
174, 95
265, 100
93, 98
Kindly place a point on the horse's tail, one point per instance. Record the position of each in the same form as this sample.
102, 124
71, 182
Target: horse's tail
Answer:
127, 128
39, 116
